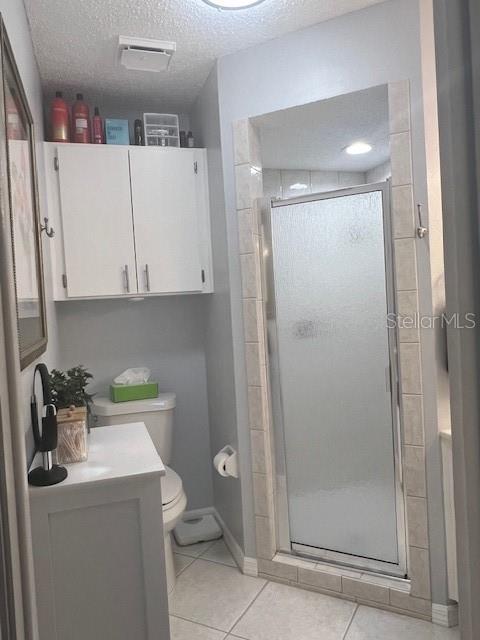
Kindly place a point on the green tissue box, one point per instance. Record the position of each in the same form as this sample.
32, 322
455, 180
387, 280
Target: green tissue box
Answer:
126, 392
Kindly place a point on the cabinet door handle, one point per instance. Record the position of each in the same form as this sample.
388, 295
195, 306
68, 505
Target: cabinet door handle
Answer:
126, 278
147, 278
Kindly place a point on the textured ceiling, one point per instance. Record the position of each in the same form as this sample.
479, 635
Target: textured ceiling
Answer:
314, 136
76, 42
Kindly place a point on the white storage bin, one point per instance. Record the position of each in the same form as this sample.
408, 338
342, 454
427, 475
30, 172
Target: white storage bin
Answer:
161, 130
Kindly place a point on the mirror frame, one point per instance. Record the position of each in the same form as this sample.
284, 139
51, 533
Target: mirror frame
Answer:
33, 351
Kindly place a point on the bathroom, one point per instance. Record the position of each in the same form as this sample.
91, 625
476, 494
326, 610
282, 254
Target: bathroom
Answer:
274, 113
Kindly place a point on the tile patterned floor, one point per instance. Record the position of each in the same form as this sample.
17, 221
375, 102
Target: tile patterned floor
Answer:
214, 601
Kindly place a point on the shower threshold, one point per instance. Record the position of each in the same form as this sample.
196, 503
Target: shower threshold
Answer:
346, 561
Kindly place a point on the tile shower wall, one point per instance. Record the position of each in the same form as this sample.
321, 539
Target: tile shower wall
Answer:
281, 183
411, 596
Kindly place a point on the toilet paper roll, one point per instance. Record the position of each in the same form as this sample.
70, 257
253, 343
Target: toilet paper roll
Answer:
219, 463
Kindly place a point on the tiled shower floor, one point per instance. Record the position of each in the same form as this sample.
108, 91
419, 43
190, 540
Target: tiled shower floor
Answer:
213, 600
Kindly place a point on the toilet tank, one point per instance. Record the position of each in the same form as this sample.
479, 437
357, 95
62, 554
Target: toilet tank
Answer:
157, 414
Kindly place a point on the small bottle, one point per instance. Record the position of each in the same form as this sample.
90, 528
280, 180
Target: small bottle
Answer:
138, 133
80, 120
183, 139
59, 119
97, 128
190, 140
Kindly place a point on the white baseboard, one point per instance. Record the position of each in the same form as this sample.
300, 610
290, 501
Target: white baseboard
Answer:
247, 565
445, 615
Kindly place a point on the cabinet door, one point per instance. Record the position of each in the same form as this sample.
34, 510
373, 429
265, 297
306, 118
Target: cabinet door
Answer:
165, 212
97, 221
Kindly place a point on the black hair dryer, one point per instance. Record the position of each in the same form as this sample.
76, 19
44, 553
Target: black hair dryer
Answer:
46, 439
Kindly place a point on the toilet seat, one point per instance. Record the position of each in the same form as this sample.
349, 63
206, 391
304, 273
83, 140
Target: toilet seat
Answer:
172, 488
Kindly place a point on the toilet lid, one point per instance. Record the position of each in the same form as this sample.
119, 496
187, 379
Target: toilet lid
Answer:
171, 485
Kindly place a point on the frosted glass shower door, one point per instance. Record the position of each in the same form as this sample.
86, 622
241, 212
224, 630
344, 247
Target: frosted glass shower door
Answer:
329, 278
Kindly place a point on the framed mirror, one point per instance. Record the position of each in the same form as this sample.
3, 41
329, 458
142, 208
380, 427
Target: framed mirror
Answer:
19, 181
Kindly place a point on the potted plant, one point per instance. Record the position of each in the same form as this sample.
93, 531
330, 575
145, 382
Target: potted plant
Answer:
69, 395
68, 387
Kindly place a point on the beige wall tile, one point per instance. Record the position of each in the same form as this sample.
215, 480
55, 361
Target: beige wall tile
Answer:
267, 576
338, 570
264, 533
365, 590
245, 231
272, 183
257, 216
241, 142
401, 158
255, 407
243, 186
250, 276
417, 521
320, 579
420, 572
408, 321
399, 106
386, 581
405, 264
278, 569
259, 448
261, 495
254, 356
403, 212
256, 183
414, 465
410, 368
412, 411
255, 152
252, 320
407, 603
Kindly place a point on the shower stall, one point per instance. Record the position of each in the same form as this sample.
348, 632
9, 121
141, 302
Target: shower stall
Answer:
334, 378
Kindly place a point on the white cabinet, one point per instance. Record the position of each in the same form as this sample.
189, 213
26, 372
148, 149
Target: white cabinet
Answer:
97, 220
98, 543
129, 221
164, 199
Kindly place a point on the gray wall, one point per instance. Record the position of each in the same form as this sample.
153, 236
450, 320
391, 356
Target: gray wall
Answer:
218, 325
13, 13
166, 335
350, 53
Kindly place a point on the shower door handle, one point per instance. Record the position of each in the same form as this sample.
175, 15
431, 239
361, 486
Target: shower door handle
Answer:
147, 278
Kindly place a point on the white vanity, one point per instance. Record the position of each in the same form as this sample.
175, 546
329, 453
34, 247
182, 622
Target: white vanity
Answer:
98, 543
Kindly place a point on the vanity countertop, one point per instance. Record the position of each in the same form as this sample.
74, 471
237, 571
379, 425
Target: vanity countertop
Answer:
114, 452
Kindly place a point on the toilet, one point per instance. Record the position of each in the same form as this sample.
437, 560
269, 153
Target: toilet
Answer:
157, 414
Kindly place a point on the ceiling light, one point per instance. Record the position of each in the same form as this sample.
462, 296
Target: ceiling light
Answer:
233, 4
357, 148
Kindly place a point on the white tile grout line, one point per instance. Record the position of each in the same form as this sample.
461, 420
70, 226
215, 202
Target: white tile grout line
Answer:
344, 637
177, 549
192, 560
199, 624
267, 582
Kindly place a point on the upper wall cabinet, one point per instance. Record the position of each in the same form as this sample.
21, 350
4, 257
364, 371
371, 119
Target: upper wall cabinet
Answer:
164, 199
129, 221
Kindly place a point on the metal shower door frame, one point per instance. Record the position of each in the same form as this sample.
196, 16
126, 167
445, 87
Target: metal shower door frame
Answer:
284, 543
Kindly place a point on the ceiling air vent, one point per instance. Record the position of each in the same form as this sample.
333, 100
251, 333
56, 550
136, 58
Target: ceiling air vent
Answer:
145, 54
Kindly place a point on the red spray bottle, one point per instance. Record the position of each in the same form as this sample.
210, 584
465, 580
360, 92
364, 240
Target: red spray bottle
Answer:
98, 133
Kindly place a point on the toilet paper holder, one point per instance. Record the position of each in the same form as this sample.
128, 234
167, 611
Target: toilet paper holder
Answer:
226, 462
